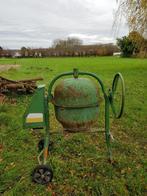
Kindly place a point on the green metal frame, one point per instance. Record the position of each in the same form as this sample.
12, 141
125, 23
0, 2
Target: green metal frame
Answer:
108, 101
108, 97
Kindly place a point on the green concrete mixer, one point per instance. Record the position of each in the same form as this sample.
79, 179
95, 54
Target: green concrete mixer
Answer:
76, 103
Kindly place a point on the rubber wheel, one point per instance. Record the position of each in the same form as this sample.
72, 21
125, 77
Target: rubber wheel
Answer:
42, 174
41, 145
117, 95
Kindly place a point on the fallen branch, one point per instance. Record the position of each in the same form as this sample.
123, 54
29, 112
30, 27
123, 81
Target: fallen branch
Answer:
19, 86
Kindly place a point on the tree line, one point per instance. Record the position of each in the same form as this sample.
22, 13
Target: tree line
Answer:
133, 44
70, 47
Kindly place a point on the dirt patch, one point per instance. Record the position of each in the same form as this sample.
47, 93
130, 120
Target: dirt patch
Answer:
7, 67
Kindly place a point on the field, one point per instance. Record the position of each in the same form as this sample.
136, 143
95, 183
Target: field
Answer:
79, 160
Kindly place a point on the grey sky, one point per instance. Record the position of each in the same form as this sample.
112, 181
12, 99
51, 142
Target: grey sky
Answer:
36, 23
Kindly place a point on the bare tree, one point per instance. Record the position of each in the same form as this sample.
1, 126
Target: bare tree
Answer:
67, 43
135, 12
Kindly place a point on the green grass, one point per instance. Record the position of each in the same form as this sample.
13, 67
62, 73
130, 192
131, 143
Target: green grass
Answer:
79, 161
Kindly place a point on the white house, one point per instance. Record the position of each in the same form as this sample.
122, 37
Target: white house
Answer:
117, 54
16, 54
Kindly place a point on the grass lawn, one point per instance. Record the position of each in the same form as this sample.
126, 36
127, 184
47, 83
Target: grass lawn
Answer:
78, 160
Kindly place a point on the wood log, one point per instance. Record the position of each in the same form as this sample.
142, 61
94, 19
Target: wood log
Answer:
30, 80
8, 86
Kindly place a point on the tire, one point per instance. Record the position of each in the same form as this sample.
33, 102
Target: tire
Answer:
42, 174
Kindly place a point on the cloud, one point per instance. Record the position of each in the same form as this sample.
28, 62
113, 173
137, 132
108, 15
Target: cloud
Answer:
37, 23
92, 39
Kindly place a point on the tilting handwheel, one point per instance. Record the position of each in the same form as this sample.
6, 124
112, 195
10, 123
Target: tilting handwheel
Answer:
117, 95
42, 174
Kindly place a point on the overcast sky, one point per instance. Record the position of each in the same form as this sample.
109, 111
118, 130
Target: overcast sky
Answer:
36, 23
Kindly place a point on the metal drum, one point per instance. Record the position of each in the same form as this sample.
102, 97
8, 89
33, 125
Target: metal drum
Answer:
76, 103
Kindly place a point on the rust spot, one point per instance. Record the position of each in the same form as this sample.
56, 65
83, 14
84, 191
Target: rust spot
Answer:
69, 92
59, 89
76, 127
73, 93
45, 153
